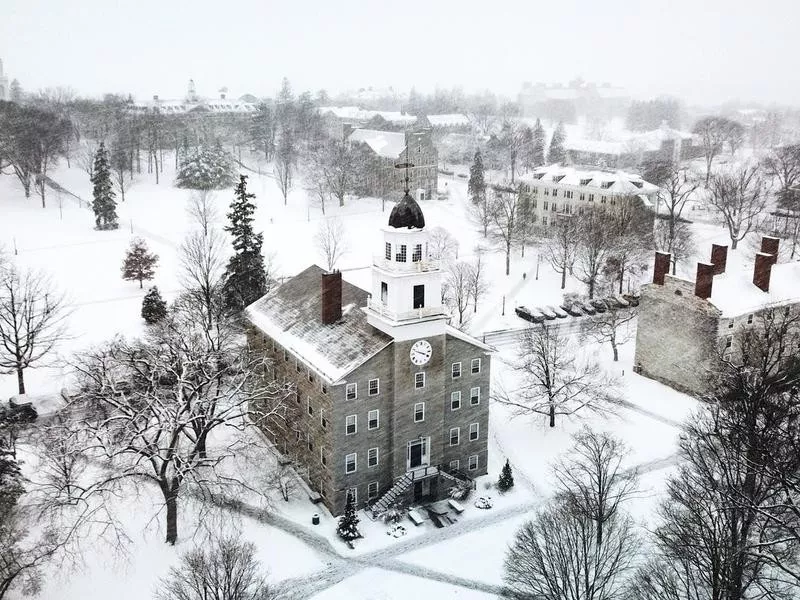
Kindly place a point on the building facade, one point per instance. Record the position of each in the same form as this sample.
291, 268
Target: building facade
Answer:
5, 88
555, 190
383, 150
390, 403
685, 328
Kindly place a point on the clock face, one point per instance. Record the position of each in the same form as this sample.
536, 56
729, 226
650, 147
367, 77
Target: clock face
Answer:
420, 352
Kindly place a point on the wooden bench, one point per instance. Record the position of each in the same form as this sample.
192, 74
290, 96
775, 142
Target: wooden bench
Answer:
314, 497
456, 506
415, 517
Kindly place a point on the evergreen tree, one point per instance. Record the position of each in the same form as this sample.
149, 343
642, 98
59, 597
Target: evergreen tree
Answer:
477, 183
245, 276
539, 144
10, 478
557, 153
154, 308
207, 168
506, 479
104, 205
139, 264
348, 522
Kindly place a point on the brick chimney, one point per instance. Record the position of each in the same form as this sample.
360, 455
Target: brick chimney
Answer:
331, 297
704, 281
762, 270
661, 267
719, 258
769, 245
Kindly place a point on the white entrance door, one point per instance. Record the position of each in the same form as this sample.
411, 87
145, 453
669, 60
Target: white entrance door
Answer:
417, 455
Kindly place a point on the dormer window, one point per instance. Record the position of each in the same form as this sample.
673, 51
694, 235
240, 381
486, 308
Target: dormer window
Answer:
606, 184
586, 181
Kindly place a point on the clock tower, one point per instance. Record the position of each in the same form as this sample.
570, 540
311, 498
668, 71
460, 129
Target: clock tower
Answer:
406, 299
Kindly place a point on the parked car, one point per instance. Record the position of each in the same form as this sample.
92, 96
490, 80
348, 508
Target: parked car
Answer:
632, 299
588, 308
572, 309
18, 412
524, 312
599, 305
560, 313
547, 312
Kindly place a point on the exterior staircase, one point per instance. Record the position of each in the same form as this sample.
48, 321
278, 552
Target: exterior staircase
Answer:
401, 485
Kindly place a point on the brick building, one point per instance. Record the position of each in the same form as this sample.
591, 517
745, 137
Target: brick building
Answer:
685, 327
386, 148
557, 190
391, 402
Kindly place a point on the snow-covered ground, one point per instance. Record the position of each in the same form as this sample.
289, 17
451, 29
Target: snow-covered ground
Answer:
85, 264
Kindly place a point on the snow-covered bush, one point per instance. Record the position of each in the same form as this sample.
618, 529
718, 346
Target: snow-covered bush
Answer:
207, 168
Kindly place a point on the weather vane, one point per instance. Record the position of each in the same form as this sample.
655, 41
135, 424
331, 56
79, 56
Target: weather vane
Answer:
405, 165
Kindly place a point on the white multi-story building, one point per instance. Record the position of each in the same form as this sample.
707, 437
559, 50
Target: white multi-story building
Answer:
557, 190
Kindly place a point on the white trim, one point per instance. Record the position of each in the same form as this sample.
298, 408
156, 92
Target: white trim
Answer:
377, 387
455, 465
472, 366
454, 395
377, 457
355, 463
347, 391
460, 335
377, 419
453, 370
477, 431
422, 404
471, 396
419, 387
370, 494
470, 467
458, 436
347, 424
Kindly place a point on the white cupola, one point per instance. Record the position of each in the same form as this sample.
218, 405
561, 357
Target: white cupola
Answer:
406, 300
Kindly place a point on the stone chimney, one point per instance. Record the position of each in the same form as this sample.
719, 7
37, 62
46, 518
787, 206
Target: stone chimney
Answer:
331, 297
762, 270
719, 258
704, 280
661, 267
769, 245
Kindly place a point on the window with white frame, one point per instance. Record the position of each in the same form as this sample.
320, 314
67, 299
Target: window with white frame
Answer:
372, 490
372, 457
310, 446
323, 459
455, 465
455, 436
416, 255
400, 256
455, 400
475, 365
374, 387
473, 431
591, 197
456, 370
372, 419
350, 463
310, 376
323, 419
419, 412
351, 424
351, 391
555, 193
419, 380
475, 396
309, 406
473, 462
352, 494
546, 205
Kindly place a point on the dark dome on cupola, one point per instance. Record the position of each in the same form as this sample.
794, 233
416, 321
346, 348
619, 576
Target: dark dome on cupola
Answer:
407, 214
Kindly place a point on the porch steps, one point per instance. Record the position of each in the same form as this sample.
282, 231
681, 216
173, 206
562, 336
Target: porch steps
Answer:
399, 487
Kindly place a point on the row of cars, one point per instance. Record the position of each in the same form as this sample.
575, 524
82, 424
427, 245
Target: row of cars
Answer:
540, 314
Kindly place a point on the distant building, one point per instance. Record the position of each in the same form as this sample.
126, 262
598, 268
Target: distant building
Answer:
192, 103
385, 149
684, 327
557, 190
5, 87
390, 402
566, 103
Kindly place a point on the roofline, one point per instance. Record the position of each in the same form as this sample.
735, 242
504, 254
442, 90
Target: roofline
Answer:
465, 337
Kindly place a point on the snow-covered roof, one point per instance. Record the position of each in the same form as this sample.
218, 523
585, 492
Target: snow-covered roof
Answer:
291, 315
606, 181
389, 144
735, 294
595, 146
354, 113
450, 120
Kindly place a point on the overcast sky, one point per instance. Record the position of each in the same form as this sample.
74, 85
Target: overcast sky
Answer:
705, 51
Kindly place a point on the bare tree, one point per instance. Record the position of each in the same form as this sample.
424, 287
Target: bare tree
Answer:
201, 210
592, 479
458, 286
32, 317
713, 133
503, 226
595, 246
442, 245
87, 150
784, 165
678, 241
480, 213
285, 160
555, 556
202, 260
613, 326
477, 279
226, 568
151, 405
331, 241
560, 244
740, 196
555, 380
331, 167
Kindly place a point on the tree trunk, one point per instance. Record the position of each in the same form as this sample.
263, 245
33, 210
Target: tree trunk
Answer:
170, 490
20, 380
141, 285
564, 278
201, 444
591, 289
41, 191
734, 243
508, 259
552, 415
614, 348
